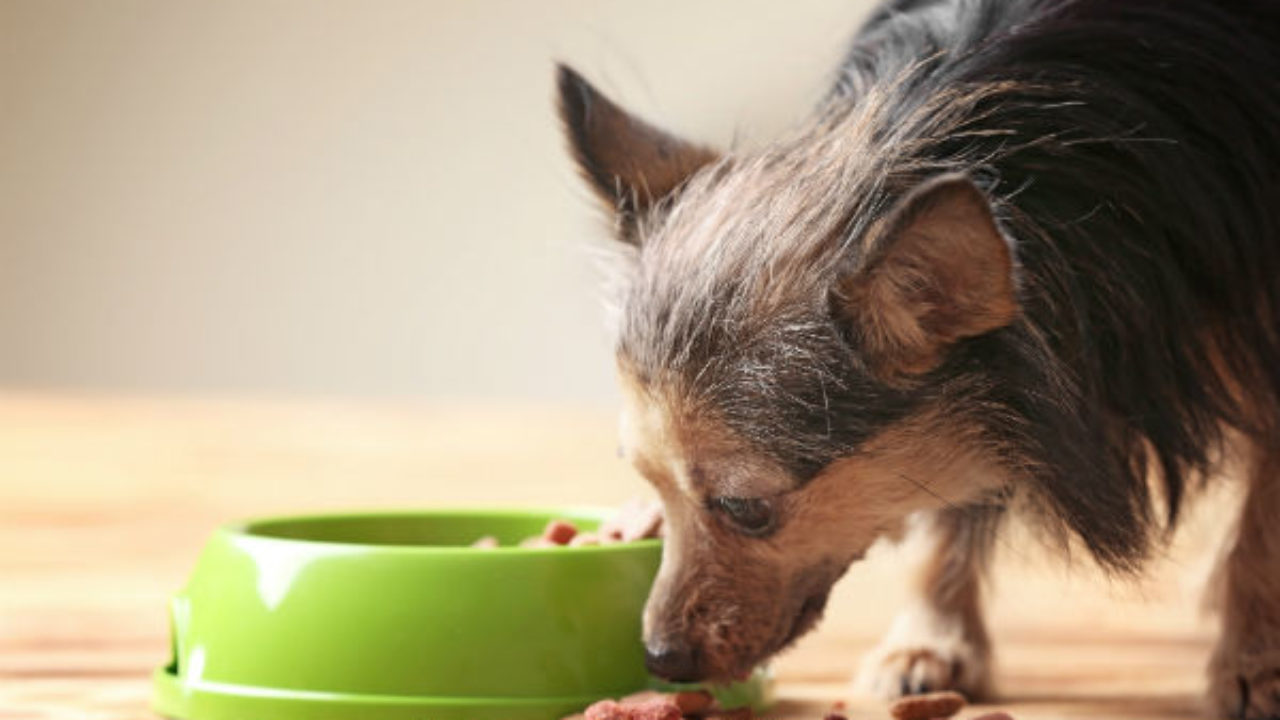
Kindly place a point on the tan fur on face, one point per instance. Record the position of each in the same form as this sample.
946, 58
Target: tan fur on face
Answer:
739, 599
679, 451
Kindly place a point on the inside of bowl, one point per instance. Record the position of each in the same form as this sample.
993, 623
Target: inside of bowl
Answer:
455, 529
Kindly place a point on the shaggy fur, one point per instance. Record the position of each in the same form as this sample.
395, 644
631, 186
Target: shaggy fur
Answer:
1111, 302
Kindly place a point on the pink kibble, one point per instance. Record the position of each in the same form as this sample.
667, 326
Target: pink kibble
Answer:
559, 532
607, 710
487, 542
658, 709
644, 696
636, 520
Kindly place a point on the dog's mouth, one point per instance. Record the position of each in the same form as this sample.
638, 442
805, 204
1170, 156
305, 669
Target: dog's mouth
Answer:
805, 618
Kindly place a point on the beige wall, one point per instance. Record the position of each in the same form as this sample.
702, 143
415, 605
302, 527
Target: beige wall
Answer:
352, 198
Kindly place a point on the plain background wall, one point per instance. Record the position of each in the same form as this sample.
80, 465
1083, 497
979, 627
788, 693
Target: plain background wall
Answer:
345, 198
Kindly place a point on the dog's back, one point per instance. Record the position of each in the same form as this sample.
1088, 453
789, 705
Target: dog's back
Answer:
1137, 151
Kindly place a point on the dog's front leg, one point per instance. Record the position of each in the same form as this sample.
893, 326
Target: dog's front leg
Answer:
1244, 676
939, 641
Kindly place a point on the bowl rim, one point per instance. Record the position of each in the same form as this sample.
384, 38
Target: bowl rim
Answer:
247, 530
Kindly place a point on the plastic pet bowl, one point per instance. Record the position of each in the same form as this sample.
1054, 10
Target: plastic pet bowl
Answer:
392, 616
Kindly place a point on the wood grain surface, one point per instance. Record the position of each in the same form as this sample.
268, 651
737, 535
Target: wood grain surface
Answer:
104, 502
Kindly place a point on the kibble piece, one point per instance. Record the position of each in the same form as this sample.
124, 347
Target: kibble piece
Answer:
694, 702
834, 716
644, 705
928, 706
660, 709
635, 520
611, 530
559, 532
607, 710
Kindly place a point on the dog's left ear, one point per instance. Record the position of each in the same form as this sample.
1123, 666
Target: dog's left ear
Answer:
938, 270
630, 164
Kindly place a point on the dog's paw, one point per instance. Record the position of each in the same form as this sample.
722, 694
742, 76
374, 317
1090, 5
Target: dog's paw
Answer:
1245, 688
894, 673
923, 654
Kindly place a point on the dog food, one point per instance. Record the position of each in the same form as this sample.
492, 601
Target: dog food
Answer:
603, 710
657, 707
693, 702
652, 705
699, 705
560, 532
636, 520
929, 706
557, 533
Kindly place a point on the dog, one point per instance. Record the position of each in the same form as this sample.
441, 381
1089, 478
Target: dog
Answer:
1023, 257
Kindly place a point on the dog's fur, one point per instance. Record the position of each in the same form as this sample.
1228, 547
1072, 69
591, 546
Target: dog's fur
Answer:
1025, 254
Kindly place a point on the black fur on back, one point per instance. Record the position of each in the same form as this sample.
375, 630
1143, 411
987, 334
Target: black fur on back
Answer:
1135, 161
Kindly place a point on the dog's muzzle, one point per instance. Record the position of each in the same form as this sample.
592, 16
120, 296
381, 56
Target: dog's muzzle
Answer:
676, 663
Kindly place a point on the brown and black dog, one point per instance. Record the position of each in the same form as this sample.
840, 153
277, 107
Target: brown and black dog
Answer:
1024, 256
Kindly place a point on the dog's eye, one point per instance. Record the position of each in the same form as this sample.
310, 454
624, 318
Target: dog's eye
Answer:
753, 516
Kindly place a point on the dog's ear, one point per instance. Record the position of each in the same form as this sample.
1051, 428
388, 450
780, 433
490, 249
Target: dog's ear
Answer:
937, 270
630, 164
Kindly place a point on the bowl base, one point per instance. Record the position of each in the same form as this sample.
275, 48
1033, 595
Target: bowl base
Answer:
176, 699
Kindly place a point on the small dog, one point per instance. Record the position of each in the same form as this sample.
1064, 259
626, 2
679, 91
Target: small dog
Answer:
1025, 255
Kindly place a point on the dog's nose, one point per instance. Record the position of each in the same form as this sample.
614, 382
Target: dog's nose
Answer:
673, 662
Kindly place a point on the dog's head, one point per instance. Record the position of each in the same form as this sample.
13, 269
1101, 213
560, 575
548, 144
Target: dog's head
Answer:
787, 348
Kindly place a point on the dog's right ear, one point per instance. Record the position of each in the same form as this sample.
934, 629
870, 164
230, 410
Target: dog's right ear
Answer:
630, 164
939, 271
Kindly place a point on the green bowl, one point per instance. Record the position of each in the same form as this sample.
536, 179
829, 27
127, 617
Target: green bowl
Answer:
391, 616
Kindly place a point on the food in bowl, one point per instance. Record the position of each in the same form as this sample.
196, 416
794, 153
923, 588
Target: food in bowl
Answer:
636, 520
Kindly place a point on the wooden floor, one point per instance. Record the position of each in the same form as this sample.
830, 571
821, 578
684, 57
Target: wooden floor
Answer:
105, 501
